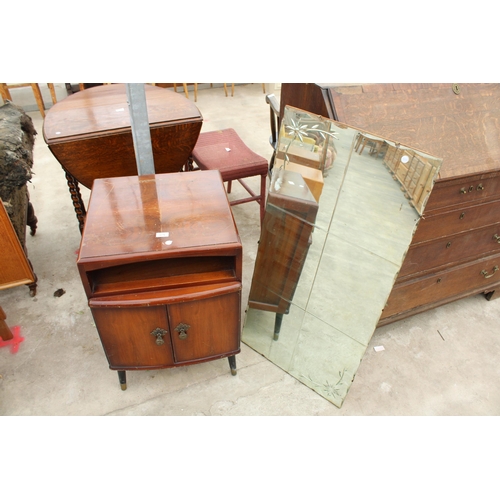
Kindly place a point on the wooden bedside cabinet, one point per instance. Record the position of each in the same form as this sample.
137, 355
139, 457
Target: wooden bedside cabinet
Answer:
161, 264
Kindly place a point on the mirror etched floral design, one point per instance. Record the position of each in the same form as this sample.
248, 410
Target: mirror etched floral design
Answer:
342, 208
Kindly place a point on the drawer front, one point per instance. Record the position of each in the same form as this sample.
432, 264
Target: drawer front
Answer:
126, 336
482, 275
456, 221
467, 190
452, 249
204, 329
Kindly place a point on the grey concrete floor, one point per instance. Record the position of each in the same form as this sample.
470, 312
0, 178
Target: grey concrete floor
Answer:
442, 362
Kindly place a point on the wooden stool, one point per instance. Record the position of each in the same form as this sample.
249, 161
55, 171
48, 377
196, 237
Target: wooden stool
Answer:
223, 150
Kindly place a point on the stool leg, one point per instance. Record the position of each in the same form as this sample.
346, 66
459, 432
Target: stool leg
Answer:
229, 184
262, 201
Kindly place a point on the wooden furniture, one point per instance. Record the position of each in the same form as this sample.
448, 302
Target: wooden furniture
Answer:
284, 242
17, 137
6, 96
223, 150
15, 268
161, 264
455, 251
89, 133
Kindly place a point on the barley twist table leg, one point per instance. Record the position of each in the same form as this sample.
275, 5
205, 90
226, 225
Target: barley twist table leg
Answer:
76, 197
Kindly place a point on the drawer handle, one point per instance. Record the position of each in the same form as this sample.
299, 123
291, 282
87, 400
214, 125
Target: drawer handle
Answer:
182, 329
480, 187
486, 275
159, 333
496, 237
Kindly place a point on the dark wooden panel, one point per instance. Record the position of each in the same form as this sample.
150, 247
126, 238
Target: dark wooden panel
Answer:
214, 327
126, 337
442, 287
450, 250
457, 221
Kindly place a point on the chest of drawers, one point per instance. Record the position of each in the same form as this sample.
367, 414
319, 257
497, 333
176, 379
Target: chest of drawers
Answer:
455, 251
161, 262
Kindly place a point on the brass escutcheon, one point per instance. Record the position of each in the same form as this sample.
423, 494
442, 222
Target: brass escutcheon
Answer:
159, 333
456, 88
462, 215
182, 329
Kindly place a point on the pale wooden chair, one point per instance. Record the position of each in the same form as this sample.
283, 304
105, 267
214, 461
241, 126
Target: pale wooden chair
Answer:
6, 96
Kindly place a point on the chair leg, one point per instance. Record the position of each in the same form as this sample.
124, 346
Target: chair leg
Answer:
229, 184
184, 85
195, 92
52, 92
39, 99
4, 92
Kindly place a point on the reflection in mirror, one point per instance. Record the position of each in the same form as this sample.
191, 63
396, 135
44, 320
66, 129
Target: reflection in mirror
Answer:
341, 211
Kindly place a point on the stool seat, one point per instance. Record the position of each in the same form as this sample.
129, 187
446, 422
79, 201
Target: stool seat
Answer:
224, 150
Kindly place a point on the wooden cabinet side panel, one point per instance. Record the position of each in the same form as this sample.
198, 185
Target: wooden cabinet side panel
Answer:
14, 266
283, 248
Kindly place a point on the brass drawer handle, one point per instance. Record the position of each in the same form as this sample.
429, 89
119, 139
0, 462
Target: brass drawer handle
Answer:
486, 275
159, 333
480, 187
182, 329
496, 237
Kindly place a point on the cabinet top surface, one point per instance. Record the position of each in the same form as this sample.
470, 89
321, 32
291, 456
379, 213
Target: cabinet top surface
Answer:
153, 214
105, 109
457, 122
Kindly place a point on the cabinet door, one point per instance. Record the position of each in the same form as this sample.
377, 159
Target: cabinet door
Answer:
127, 340
207, 328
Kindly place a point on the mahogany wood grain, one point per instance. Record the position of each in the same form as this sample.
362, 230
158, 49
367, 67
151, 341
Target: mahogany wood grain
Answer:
90, 135
158, 252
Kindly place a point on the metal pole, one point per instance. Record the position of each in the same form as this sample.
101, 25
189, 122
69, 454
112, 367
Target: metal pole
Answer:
136, 96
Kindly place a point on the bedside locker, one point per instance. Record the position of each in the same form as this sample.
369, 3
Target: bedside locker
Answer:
161, 264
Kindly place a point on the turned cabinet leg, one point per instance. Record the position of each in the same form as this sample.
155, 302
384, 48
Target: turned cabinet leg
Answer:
76, 197
122, 377
277, 326
232, 364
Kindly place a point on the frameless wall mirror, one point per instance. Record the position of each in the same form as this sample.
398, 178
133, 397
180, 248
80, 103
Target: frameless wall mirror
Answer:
342, 208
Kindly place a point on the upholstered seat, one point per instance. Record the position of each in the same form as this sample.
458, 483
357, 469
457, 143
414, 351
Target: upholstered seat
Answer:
224, 150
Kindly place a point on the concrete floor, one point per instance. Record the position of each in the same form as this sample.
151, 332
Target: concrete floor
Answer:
442, 362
